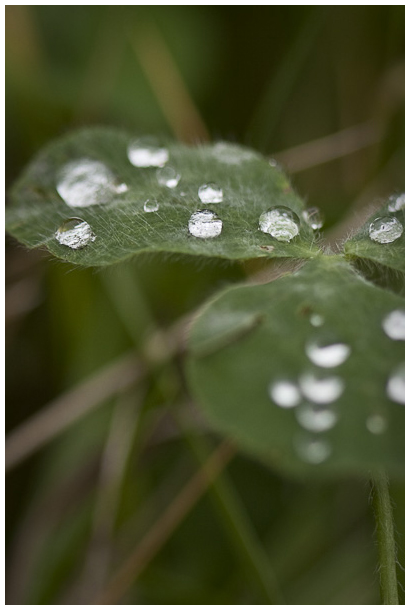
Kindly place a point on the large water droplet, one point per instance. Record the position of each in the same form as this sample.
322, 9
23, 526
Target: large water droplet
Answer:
326, 352
85, 182
147, 152
280, 222
321, 389
168, 176
313, 217
285, 393
204, 224
385, 230
316, 319
316, 418
151, 205
312, 450
396, 385
210, 193
376, 424
74, 233
394, 325
396, 203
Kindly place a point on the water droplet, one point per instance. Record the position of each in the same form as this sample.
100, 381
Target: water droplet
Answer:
151, 205
396, 203
396, 385
204, 224
168, 176
312, 450
316, 418
385, 230
210, 193
280, 222
326, 352
376, 424
85, 182
74, 233
121, 188
147, 152
321, 389
394, 325
267, 248
316, 319
232, 154
273, 163
285, 394
313, 217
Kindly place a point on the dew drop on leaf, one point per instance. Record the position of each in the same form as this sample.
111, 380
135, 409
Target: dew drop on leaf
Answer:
376, 424
326, 352
313, 217
385, 230
231, 154
316, 319
396, 385
396, 203
151, 205
316, 418
285, 394
86, 182
168, 176
312, 450
147, 152
210, 193
205, 224
394, 325
74, 233
280, 222
321, 389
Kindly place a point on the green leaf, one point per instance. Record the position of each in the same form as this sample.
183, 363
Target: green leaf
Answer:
250, 337
121, 226
389, 255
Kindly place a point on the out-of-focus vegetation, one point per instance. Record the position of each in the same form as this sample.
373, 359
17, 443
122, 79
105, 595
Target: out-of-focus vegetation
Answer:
320, 89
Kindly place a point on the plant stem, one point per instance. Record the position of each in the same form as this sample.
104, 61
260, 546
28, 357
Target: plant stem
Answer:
385, 539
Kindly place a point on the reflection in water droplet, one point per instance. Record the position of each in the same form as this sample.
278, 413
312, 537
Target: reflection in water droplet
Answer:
312, 450
231, 154
396, 385
210, 193
376, 424
385, 230
74, 233
321, 389
285, 394
280, 222
396, 203
204, 224
316, 418
394, 325
147, 152
313, 217
327, 353
85, 182
316, 319
151, 205
168, 176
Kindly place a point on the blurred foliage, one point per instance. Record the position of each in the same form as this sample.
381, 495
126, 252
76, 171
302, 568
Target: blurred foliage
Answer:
269, 77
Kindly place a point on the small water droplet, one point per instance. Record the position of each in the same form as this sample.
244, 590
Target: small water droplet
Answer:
121, 188
204, 224
168, 176
74, 233
312, 450
285, 394
313, 217
147, 152
396, 203
394, 325
280, 222
316, 319
232, 154
182, 193
86, 182
321, 389
376, 424
316, 418
210, 193
396, 385
326, 352
273, 163
151, 205
385, 230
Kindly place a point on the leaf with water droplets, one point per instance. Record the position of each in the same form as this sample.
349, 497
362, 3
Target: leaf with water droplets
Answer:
381, 239
311, 382
141, 195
